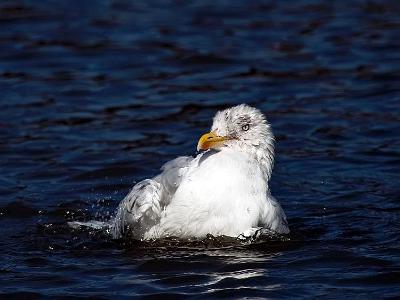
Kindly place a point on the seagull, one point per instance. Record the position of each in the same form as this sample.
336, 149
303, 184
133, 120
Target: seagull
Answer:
223, 191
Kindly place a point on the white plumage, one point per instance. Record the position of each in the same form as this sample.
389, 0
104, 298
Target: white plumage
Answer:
222, 191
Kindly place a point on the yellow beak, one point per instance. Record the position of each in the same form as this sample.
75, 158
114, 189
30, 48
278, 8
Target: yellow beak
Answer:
210, 140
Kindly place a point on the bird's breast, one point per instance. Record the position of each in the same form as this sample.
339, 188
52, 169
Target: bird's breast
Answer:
221, 181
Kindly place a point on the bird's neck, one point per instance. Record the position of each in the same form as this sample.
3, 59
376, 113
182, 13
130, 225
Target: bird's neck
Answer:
263, 154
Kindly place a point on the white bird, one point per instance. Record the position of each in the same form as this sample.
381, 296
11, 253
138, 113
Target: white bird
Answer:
222, 191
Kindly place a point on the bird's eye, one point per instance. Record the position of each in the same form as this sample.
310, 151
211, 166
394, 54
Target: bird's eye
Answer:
245, 127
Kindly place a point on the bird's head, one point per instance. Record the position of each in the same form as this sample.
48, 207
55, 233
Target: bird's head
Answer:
241, 128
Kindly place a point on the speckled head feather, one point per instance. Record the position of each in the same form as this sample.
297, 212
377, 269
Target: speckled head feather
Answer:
248, 131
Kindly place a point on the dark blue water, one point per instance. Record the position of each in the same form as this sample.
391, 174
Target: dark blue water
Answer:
97, 95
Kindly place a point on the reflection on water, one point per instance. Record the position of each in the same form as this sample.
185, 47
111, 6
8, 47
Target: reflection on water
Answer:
97, 96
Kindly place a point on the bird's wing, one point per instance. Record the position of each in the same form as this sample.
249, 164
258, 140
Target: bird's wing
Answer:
274, 217
171, 176
141, 208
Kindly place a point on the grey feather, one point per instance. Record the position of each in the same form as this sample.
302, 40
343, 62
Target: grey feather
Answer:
142, 207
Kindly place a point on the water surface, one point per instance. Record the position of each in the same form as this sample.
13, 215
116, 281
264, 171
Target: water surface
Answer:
97, 95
